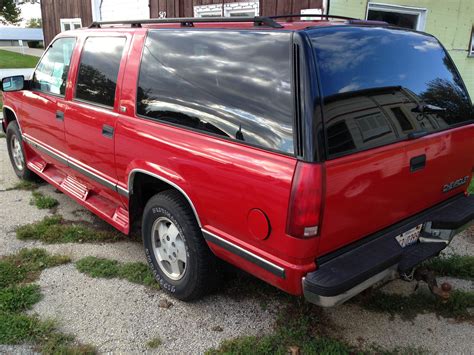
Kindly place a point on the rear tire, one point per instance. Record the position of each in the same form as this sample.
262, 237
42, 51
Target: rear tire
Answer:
175, 249
16, 152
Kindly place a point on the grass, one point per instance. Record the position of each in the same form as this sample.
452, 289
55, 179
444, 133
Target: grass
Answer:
10, 60
454, 265
26, 265
16, 299
408, 307
43, 202
55, 229
17, 295
470, 189
299, 326
138, 273
25, 185
154, 343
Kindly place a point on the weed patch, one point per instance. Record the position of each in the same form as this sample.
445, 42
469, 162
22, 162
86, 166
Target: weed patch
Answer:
25, 266
298, 327
408, 307
55, 230
454, 265
25, 185
138, 273
16, 296
16, 299
42, 201
154, 343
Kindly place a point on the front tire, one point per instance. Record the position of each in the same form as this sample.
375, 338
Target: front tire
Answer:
16, 152
175, 248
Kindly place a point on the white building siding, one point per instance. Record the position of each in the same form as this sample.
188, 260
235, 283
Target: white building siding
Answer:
111, 10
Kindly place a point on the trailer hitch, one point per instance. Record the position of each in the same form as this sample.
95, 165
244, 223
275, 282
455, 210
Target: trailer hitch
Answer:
428, 276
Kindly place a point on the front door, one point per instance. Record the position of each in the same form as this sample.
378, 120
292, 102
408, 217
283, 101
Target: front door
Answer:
43, 106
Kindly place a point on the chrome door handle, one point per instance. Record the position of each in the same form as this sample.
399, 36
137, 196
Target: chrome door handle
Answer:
107, 131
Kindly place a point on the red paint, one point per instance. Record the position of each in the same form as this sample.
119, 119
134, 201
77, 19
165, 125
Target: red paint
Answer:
258, 224
371, 190
237, 190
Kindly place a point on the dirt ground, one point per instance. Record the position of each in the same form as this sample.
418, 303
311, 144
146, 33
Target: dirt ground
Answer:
120, 317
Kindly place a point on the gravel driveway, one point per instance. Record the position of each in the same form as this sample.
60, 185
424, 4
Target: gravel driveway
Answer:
121, 317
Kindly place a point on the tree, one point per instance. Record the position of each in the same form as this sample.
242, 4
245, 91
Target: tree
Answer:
34, 23
9, 12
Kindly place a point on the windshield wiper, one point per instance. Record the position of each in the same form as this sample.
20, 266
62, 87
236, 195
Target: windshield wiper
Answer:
427, 108
417, 134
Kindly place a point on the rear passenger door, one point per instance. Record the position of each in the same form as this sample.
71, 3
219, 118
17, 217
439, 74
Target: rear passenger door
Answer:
93, 110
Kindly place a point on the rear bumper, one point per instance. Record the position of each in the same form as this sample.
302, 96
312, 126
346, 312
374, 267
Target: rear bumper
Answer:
347, 272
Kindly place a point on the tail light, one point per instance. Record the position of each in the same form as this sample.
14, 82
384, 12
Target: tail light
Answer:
304, 208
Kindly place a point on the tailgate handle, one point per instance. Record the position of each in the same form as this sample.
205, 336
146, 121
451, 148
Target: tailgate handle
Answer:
417, 163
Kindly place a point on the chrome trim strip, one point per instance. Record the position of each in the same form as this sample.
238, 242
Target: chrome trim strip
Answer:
122, 191
66, 160
130, 187
47, 151
16, 116
92, 176
245, 254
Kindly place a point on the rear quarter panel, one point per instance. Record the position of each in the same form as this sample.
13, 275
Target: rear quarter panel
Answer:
223, 179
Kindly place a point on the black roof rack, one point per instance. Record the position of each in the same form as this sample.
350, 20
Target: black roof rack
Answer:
315, 15
189, 21
351, 20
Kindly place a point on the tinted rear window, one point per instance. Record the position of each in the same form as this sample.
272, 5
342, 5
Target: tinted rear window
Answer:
98, 71
381, 84
233, 84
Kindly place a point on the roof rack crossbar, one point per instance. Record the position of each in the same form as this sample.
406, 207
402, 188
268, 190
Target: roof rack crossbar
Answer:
189, 21
315, 15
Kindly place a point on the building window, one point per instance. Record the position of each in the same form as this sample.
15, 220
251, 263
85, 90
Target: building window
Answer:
312, 12
241, 9
233, 9
208, 11
68, 24
401, 16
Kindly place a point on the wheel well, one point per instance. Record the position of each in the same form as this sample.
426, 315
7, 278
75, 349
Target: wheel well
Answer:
145, 187
8, 116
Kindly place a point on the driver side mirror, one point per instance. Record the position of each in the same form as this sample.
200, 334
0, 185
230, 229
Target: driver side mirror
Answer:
13, 83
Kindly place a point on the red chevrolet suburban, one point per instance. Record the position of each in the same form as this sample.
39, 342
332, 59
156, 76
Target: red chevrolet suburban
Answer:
320, 156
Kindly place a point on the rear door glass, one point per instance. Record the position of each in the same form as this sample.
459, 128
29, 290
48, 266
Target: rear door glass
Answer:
232, 84
98, 70
380, 85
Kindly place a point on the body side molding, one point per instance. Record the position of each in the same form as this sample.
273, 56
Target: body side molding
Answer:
67, 160
245, 254
131, 176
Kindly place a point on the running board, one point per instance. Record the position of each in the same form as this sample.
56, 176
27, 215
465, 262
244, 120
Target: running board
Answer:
74, 187
98, 204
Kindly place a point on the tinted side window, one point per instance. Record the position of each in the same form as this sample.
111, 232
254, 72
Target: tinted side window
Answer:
98, 71
378, 83
229, 83
51, 74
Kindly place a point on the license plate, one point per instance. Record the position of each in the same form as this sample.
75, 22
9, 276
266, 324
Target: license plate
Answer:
409, 237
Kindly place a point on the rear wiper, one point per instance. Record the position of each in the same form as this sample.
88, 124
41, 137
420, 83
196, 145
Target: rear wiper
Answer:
424, 108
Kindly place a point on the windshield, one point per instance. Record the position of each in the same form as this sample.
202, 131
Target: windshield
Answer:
380, 84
